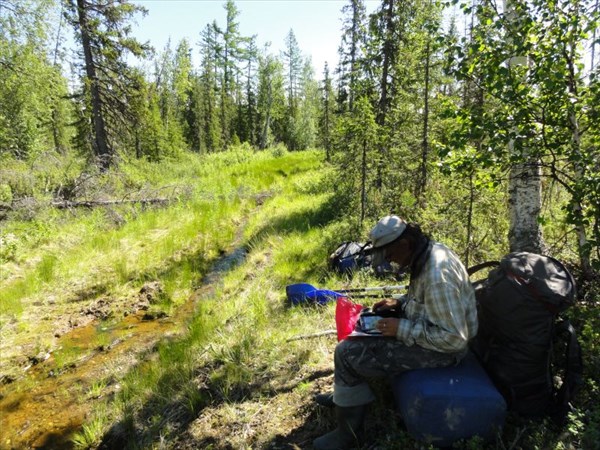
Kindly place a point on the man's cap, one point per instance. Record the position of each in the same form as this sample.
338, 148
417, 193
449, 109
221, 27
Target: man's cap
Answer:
387, 230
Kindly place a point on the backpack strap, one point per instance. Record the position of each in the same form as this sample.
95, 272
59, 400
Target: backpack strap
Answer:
573, 378
365, 250
478, 267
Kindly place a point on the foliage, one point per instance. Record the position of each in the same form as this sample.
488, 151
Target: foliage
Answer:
234, 371
33, 109
543, 109
355, 155
103, 32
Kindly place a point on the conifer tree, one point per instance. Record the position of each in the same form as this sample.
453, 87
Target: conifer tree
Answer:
247, 127
355, 155
351, 49
208, 112
293, 63
327, 117
103, 33
229, 54
33, 106
305, 132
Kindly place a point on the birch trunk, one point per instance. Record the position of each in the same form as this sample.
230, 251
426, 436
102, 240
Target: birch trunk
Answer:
525, 204
525, 187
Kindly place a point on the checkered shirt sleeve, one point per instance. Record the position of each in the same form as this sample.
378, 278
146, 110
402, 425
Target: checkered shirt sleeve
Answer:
441, 314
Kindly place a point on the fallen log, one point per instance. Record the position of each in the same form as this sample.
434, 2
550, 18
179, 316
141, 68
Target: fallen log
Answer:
93, 203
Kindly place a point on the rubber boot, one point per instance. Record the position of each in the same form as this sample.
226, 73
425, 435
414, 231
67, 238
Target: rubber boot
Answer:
348, 432
325, 399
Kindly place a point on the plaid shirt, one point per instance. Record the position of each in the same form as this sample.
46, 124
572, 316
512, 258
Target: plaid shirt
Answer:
440, 310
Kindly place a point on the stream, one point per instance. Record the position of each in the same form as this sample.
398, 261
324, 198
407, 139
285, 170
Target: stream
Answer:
53, 399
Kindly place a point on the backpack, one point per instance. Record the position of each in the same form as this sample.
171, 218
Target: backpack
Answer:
520, 331
350, 256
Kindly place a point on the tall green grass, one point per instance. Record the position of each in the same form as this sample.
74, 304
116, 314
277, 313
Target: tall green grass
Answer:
237, 357
235, 342
94, 249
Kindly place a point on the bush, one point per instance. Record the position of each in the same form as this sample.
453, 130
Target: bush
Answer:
279, 150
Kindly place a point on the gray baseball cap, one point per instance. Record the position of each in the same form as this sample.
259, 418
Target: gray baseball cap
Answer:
387, 230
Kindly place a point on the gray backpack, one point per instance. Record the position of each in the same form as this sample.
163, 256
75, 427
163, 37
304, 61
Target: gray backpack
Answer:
520, 331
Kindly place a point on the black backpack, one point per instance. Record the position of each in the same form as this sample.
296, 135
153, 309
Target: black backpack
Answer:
521, 331
350, 256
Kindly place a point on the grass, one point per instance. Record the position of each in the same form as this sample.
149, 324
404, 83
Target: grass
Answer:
229, 347
93, 249
235, 381
236, 378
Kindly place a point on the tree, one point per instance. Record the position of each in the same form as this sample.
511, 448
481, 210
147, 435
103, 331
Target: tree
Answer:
326, 121
102, 31
293, 63
542, 109
229, 53
352, 48
171, 84
208, 108
525, 185
403, 79
33, 93
306, 125
184, 81
271, 100
355, 158
150, 139
247, 127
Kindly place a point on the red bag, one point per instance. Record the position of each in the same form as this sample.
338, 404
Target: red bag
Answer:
346, 316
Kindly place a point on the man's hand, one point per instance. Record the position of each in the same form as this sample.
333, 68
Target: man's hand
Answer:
388, 326
385, 304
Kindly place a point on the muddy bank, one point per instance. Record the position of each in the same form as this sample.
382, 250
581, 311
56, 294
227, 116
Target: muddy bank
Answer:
50, 393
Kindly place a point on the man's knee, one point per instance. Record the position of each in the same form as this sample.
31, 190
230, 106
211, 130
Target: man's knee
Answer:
347, 349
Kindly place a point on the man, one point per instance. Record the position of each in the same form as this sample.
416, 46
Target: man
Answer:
434, 322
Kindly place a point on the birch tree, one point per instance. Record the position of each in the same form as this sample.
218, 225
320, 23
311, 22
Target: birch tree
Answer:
540, 111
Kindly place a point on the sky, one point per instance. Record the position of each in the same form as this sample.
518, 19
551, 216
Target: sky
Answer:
316, 23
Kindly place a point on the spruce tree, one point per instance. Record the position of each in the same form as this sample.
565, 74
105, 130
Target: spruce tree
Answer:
34, 111
103, 33
293, 62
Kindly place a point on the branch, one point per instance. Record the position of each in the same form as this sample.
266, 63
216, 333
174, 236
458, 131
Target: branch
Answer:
311, 335
93, 203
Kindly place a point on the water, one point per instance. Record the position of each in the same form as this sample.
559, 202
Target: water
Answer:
43, 408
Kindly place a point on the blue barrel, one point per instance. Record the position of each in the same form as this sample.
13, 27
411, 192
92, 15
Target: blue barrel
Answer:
441, 406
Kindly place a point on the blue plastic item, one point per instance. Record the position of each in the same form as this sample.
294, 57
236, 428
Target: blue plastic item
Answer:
441, 406
306, 293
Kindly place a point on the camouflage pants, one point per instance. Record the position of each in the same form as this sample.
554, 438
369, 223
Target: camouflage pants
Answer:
359, 359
